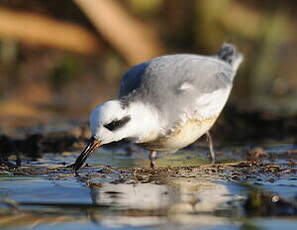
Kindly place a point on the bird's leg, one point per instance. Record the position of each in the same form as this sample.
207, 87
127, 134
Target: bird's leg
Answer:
212, 153
153, 158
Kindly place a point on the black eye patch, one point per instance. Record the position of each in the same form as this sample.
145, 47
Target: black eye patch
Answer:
116, 124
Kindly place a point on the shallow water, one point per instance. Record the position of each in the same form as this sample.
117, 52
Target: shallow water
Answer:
105, 196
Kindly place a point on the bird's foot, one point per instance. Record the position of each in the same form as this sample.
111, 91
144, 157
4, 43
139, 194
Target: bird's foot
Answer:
211, 150
153, 158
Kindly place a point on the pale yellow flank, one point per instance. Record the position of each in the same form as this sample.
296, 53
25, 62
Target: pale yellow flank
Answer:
182, 136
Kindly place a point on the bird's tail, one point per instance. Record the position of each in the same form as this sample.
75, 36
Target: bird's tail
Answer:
230, 54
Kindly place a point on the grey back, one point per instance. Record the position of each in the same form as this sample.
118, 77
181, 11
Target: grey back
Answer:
158, 82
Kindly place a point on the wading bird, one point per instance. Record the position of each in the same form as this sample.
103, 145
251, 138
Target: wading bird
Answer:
166, 103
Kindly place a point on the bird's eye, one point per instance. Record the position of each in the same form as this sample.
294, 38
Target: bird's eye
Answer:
116, 124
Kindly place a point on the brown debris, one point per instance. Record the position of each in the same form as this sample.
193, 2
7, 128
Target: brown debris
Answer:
256, 153
240, 172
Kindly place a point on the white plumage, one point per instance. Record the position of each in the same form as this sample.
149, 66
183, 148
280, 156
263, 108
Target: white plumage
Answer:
166, 103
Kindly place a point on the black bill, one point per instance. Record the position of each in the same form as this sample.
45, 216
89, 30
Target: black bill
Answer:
92, 145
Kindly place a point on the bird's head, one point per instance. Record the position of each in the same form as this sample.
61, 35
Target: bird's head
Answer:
111, 122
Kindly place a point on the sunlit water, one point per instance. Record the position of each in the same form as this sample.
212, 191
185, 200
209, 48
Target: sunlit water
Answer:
68, 202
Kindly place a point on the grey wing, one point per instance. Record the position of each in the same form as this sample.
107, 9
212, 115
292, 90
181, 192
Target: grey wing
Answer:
132, 79
205, 91
194, 85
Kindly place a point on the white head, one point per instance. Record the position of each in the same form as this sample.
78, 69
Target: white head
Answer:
112, 121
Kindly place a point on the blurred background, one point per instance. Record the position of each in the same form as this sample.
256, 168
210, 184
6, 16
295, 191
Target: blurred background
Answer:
58, 59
